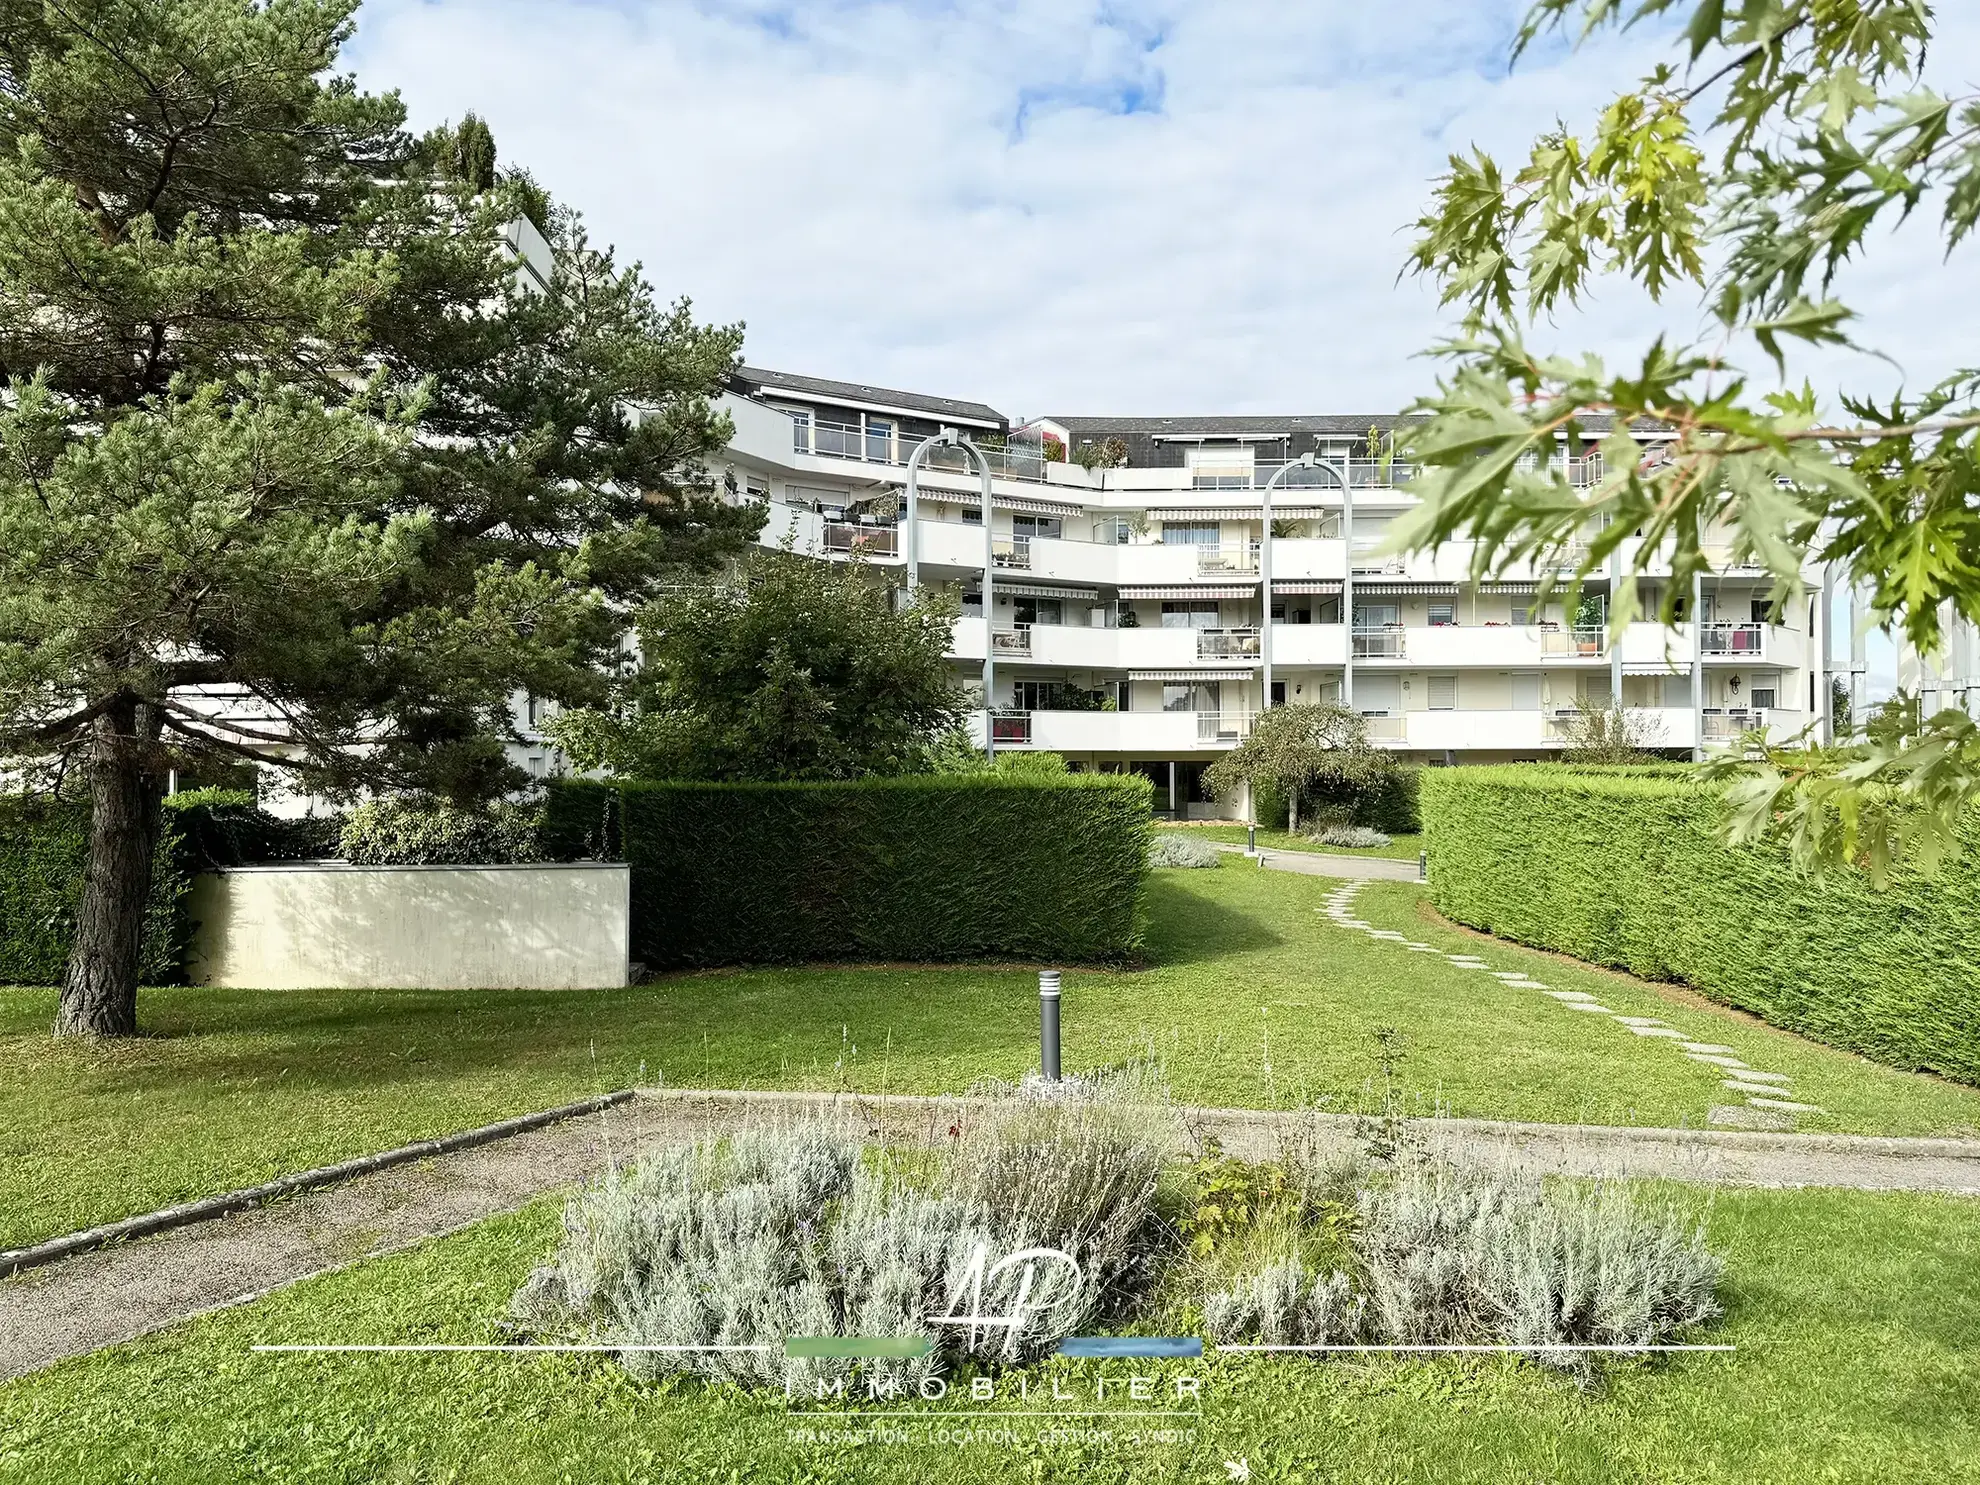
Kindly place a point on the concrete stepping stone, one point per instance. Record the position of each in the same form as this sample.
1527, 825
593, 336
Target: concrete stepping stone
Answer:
1786, 1105
1665, 1031
1715, 1061
1712, 1049
1640, 1021
1587, 1005
1739, 1116
1413, 944
1754, 1075
1419, 948
1766, 1090
1569, 995
1507, 974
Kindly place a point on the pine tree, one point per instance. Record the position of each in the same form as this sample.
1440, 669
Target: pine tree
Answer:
296, 465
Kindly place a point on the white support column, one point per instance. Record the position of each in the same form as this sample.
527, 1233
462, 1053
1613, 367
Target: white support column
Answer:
1698, 668
1825, 711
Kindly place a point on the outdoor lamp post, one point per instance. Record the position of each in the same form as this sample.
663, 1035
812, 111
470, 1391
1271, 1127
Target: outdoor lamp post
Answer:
949, 438
1304, 461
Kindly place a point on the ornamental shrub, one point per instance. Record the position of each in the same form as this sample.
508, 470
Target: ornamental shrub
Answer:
920, 868
429, 832
1627, 867
1183, 850
1358, 836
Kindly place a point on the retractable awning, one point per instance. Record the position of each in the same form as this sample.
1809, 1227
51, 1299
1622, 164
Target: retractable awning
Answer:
1306, 585
1195, 590
1190, 675
1404, 590
1042, 590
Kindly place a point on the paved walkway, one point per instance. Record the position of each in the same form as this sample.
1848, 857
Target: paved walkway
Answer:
1313, 864
116, 1294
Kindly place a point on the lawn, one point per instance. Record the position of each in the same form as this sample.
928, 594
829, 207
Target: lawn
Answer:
1251, 997
1400, 847
1854, 1314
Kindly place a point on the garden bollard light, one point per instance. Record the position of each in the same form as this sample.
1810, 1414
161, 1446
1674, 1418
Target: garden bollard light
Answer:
1048, 1024
1423, 866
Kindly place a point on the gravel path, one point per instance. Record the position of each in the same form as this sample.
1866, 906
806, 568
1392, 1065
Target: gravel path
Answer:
116, 1294
1314, 864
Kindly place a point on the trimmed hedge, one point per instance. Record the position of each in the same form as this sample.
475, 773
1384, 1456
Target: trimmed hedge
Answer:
44, 849
935, 868
1626, 867
1390, 807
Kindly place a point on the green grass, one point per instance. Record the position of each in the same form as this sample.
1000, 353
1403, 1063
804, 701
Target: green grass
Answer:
1399, 848
1252, 998
1855, 1315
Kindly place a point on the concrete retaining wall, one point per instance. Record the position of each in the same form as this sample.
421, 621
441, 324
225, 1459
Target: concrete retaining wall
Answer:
331, 925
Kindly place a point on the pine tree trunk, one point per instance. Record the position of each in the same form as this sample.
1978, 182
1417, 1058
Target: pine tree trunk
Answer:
99, 992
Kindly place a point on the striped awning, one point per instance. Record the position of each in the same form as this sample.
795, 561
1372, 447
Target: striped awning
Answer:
1306, 585
1033, 507
1195, 590
1510, 588
1041, 590
1207, 513
1190, 675
1404, 590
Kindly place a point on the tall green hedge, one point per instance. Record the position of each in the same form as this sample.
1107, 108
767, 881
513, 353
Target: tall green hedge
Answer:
1626, 867
44, 848
919, 869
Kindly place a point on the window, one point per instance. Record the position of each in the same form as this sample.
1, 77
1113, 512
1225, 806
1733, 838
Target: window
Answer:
1220, 466
1202, 696
1377, 615
1191, 533
1762, 611
1034, 696
880, 439
1278, 693
1443, 693
1112, 531
1443, 613
1190, 613
1036, 526
1292, 611
755, 486
800, 429
1763, 697
1039, 611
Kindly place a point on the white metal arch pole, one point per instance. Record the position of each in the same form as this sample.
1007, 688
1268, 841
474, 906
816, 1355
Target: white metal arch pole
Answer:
944, 439
1304, 461
1697, 668
1347, 583
989, 602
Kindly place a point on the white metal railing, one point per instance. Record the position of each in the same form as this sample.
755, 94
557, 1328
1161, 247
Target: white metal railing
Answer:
1008, 725
1226, 644
1379, 643
1013, 641
1228, 557
1732, 639
1720, 555
847, 536
1726, 722
1222, 726
1569, 554
1383, 726
1584, 640
1011, 551
1559, 721
1018, 459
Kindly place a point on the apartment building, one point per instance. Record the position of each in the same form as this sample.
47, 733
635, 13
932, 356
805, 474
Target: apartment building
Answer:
1140, 617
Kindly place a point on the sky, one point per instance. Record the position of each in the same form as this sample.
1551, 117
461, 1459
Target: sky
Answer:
1076, 207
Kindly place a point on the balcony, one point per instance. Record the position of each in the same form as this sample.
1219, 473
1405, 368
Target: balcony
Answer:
1380, 643
1013, 552
874, 541
1013, 641
1383, 726
1233, 557
1747, 641
1010, 727
1018, 460
1725, 724
1222, 727
1581, 642
1226, 644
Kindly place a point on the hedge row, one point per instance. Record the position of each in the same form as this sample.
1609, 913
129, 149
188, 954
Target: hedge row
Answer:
1626, 868
1390, 807
44, 849
918, 869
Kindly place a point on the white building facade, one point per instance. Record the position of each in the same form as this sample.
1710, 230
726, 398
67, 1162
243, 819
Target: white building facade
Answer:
1142, 616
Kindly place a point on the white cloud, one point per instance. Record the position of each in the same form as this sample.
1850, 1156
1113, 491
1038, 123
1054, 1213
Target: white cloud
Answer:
1054, 205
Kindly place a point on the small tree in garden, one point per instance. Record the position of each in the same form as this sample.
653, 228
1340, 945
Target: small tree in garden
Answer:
1306, 752
293, 470
791, 669
1611, 734
1779, 141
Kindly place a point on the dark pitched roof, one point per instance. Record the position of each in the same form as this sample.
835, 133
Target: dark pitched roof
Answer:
756, 379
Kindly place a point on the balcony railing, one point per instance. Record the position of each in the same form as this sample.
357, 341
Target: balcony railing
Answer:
1012, 552
1232, 557
1383, 643
1368, 561
1732, 639
1013, 641
847, 536
1222, 726
1586, 641
1383, 726
1018, 460
1008, 726
1226, 644
1722, 724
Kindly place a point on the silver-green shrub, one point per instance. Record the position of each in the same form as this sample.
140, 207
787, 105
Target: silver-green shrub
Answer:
1182, 850
1447, 1256
1348, 835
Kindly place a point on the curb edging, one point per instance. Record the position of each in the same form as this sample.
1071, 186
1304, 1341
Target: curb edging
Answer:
17, 1260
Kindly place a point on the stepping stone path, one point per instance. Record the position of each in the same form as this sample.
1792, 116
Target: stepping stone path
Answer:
1766, 1092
